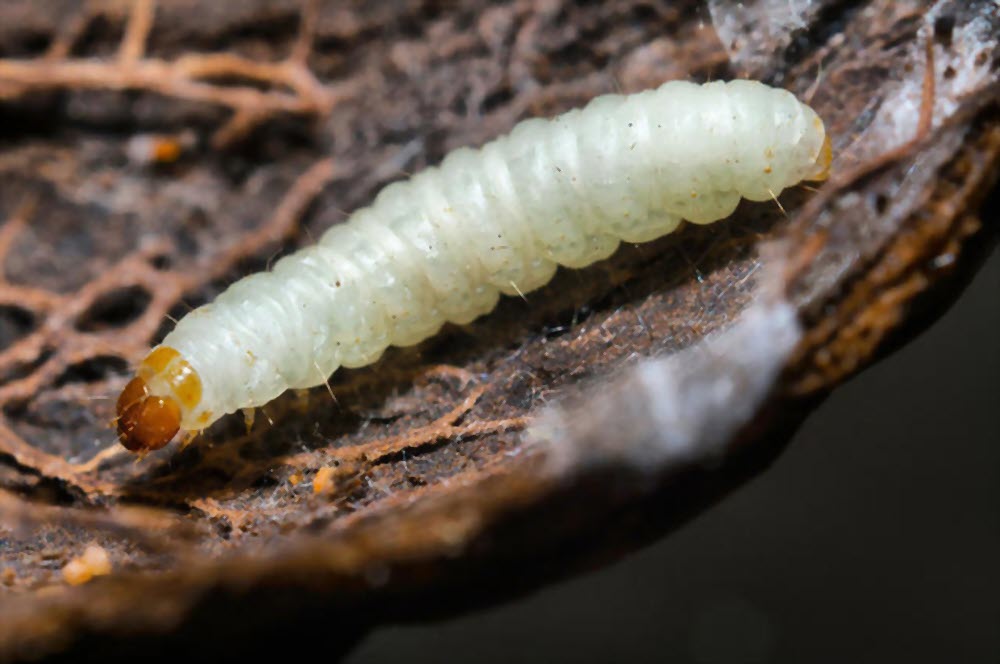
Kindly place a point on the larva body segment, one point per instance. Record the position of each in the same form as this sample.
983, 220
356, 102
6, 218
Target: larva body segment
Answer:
445, 244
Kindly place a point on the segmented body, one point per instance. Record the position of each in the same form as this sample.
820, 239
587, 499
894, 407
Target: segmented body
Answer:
443, 245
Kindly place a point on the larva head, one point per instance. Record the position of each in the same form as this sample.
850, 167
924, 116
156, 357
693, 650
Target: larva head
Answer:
146, 422
154, 403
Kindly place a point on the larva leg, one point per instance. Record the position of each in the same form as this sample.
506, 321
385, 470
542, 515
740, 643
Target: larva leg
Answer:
248, 418
301, 403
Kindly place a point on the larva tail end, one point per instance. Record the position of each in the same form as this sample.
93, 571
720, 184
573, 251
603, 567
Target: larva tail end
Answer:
146, 422
823, 161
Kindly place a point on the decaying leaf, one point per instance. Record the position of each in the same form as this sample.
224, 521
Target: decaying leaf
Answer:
153, 152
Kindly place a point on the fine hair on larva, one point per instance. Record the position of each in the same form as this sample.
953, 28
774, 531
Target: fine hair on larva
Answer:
443, 245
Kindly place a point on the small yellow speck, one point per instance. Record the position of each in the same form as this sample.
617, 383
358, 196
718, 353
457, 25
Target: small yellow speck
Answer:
323, 482
94, 562
8, 576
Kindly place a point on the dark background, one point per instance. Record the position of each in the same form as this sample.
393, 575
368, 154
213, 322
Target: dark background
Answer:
875, 537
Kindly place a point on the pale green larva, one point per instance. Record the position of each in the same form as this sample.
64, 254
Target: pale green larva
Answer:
443, 245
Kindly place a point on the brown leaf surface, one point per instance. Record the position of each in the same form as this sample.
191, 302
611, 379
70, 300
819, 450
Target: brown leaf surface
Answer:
151, 153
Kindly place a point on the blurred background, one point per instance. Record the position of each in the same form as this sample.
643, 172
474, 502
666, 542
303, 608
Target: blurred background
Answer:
875, 537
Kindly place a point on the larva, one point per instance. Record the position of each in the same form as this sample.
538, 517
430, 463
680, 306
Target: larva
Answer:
445, 244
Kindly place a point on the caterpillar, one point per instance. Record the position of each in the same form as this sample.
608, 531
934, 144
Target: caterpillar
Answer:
445, 244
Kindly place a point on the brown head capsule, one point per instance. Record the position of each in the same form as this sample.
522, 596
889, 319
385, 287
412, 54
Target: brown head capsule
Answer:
146, 422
